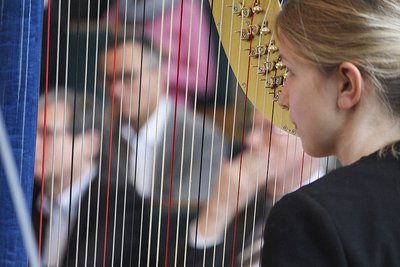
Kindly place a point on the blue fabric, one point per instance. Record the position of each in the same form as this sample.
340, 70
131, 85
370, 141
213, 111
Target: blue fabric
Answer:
20, 48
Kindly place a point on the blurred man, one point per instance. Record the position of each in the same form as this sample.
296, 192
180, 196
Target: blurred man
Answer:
155, 140
155, 131
77, 207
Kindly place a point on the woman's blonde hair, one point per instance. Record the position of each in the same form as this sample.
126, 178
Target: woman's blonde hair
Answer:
364, 32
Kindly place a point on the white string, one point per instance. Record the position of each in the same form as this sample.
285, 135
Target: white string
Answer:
150, 68
223, 131
164, 140
183, 147
193, 129
223, 137
213, 131
83, 134
128, 151
194, 123
257, 173
145, 156
57, 80
65, 104
119, 139
93, 120
102, 134
233, 132
156, 130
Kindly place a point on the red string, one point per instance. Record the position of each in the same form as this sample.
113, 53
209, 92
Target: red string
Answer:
241, 156
44, 128
111, 133
173, 140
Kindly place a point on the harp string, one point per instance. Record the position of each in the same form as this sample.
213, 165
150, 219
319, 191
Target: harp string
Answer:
127, 159
183, 148
102, 125
221, 154
83, 125
148, 112
128, 145
155, 148
204, 118
232, 143
64, 117
111, 134
161, 198
241, 154
101, 142
44, 131
253, 154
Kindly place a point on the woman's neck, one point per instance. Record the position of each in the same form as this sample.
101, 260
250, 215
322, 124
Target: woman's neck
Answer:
368, 138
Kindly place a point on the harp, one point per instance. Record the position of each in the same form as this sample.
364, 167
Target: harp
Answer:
164, 225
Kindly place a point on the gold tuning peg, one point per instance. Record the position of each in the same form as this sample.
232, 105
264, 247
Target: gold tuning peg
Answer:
265, 31
257, 9
272, 48
279, 65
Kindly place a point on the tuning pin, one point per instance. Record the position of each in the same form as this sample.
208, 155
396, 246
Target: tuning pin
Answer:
261, 70
261, 50
254, 29
270, 66
244, 34
278, 80
274, 82
276, 97
235, 9
247, 12
269, 83
253, 52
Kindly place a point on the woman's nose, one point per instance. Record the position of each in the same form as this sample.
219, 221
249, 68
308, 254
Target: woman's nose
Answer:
283, 99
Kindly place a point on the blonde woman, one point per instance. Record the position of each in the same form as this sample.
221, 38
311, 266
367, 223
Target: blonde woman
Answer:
343, 94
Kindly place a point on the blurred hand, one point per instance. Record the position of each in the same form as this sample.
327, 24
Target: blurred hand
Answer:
273, 158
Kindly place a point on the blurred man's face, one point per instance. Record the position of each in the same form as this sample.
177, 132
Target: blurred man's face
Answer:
128, 87
57, 149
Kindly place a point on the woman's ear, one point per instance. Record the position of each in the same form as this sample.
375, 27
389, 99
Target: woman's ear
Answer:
350, 86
